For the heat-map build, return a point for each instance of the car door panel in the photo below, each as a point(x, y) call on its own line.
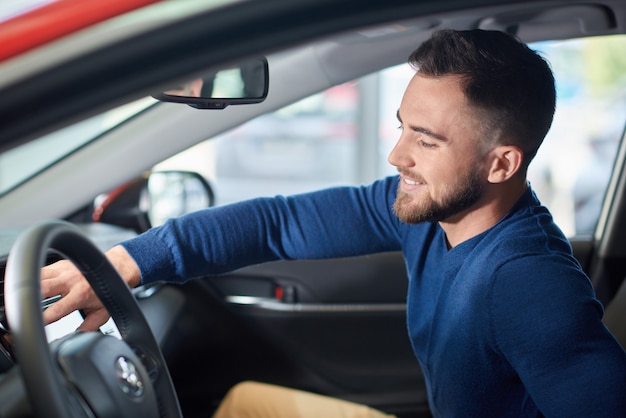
point(343, 319)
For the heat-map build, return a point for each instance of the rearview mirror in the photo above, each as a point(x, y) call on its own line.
point(246, 82)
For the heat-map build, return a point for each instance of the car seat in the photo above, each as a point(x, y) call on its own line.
point(615, 315)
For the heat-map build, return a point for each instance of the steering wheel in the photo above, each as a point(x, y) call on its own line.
point(83, 374)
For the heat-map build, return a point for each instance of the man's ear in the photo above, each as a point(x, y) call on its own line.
point(506, 161)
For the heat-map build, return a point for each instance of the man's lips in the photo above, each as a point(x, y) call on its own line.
point(409, 184)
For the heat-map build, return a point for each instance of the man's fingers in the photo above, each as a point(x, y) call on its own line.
point(58, 278)
point(57, 311)
point(52, 288)
point(64, 279)
point(94, 320)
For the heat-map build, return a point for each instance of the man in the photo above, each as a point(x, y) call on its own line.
point(501, 317)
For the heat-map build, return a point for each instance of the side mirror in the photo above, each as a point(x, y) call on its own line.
point(153, 199)
point(245, 82)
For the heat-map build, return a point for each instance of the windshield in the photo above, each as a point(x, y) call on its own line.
point(21, 163)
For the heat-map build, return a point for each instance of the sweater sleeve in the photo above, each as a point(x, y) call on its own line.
point(547, 324)
point(337, 222)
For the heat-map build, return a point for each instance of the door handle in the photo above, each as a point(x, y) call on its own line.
point(272, 304)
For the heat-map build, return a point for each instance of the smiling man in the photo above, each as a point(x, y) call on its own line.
point(501, 317)
point(439, 127)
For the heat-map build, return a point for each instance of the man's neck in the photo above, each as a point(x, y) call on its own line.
point(498, 200)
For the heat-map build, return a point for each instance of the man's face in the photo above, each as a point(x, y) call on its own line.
point(442, 174)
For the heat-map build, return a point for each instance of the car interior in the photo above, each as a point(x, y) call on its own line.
point(335, 327)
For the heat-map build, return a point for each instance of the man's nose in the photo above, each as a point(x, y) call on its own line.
point(399, 155)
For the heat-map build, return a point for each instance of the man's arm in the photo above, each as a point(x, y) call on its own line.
point(337, 222)
point(547, 323)
point(331, 223)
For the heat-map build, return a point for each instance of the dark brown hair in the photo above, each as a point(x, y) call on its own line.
point(510, 85)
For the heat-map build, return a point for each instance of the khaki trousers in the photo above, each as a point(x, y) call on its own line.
point(261, 400)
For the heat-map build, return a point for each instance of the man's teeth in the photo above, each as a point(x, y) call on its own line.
point(411, 182)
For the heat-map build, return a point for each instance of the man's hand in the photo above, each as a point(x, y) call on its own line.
point(63, 278)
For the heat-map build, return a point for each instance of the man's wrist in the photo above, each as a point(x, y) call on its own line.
point(125, 265)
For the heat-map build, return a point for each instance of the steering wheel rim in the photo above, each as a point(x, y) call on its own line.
point(44, 382)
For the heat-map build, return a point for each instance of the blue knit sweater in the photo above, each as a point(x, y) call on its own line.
point(503, 325)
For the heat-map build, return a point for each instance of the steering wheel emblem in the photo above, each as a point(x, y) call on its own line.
point(128, 377)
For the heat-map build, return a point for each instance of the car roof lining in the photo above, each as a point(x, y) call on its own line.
point(395, 40)
point(561, 21)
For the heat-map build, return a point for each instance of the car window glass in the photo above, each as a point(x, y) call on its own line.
point(313, 143)
point(571, 172)
point(302, 147)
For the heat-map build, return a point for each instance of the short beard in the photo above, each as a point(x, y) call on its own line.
point(464, 195)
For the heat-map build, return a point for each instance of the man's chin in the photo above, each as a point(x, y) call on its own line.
point(408, 211)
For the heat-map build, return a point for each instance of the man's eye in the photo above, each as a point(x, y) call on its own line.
point(427, 144)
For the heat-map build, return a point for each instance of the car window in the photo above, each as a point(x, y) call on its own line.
point(313, 143)
point(306, 146)
point(571, 172)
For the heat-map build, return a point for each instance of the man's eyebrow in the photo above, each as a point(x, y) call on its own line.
point(424, 131)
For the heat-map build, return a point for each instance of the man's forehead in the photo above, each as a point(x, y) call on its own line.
point(425, 94)
point(437, 104)
point(453, 82)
